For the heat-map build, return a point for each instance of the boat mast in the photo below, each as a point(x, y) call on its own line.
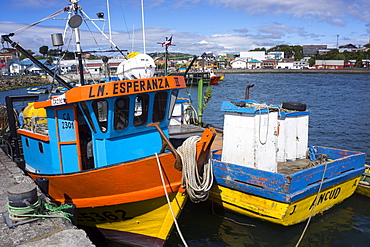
point(142, 20)
point(109, 26)
point(74, 22)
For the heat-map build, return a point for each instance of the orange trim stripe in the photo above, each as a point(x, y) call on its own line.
point(69, 142)
point(119, 88)
point(34, 135)
point(123, 183)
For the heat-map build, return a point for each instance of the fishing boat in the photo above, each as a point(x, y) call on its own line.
point(267, 170)
point(222, 77)
point(215, 78)
point(38, 90)
point(364, 184)
point(105, 149)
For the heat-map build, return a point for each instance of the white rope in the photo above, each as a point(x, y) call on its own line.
point(168, 200)
point(197, 186)
point(259, 108)
point(314, 205)
point(190, 113)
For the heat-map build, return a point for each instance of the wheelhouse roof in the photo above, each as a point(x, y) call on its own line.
point(114, 89)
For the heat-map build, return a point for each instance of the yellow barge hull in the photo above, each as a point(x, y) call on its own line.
point(285, 214)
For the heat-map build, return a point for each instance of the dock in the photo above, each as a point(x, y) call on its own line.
point(43, 232)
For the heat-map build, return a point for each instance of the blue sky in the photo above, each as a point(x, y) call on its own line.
point(197, 26)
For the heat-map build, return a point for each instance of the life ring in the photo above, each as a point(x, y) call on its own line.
point(295, 106)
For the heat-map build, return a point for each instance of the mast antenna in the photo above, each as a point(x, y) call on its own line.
point(109, 26)
point(142, 20)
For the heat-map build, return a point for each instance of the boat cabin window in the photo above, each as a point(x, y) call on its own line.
point(159, 110)
point(101, 113)
point(41, 147)
point(121, 109)
point(87, 114)
point(141, 109)
point(172, 102)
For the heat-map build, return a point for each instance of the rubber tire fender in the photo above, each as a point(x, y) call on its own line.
point(295, 106)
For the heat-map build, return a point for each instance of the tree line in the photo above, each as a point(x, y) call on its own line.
point(296, 52)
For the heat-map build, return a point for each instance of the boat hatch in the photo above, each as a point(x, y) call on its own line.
point(68, 143)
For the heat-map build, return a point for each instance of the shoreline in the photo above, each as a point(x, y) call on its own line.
point(295, 71)
point(29, 81)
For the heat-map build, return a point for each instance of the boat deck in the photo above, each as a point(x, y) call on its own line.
point(184, 131)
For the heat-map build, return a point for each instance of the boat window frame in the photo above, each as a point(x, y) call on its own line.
point(121, 113)
point(101, 114)
point(160, 106)
point(142, 118)
point(173, 99)
point(86, 112)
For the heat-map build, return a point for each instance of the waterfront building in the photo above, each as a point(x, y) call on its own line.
point(329, 64)
point(312, 50)
point(254, 64)
point(238, 63)
point(250, 55)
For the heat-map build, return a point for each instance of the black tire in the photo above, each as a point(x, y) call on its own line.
point(295, 106)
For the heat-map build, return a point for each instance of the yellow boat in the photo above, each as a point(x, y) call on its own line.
point(364, 184)
point(267, 170)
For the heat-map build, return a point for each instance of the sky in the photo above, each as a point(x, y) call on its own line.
point(197, 26)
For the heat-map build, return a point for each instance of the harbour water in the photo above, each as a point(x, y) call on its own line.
point(340, 118)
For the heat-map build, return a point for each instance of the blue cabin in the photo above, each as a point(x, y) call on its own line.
point(99, 125)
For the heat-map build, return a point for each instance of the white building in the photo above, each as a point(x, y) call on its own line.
point(90, 66)
point(239, 64)
point(285, 65)
point(250, 55)
point(275, 55)
point(254, 64)
point(300, 64)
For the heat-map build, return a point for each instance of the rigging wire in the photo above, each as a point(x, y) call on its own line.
point(124, 18)
point(34, 24)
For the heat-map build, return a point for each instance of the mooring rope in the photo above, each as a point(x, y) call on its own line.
point(314, 205)
point(36, 210)
point(168, 200)
point(197, 186)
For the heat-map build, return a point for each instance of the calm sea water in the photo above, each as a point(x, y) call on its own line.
point(340, 118)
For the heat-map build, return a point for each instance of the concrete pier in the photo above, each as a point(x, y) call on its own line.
point(43, 232)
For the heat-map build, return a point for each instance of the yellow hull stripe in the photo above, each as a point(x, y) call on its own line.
point(278, 212)
point(155, 223)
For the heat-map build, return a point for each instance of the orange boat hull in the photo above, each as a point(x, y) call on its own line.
point(126, 202)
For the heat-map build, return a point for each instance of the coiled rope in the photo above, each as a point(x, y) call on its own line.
point(197, 186)
point(37, 209)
